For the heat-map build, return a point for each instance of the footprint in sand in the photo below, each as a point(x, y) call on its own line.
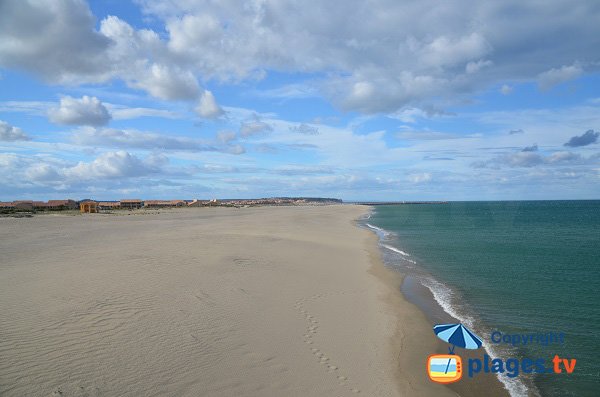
point(311, 331)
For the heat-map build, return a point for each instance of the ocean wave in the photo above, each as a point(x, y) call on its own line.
point(445, 298)
point(382, 233)
point(395, 250)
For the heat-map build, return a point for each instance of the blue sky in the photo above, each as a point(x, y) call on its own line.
point(382, 100)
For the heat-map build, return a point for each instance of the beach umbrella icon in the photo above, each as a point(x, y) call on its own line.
point(457, 335)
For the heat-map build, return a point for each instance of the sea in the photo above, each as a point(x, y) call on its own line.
point(513, 268)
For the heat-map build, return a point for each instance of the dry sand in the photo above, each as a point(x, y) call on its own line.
point(267, 301)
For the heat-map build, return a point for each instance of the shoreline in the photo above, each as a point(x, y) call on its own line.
point(263, 301)
point(419, 295)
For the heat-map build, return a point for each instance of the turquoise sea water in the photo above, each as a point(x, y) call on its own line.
point(515, 267)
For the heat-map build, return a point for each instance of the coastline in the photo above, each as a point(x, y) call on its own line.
point(421, 297)
point(262, 301)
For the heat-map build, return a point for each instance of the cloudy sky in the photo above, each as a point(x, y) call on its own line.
point(360, 100)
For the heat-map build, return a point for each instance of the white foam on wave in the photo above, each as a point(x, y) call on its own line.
point(444, 296)
point(380, 232)
point(404, 255)
point(395, 250)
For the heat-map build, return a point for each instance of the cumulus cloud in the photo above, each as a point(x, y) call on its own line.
point(444, 50)
point(208, 107)
point(9, 133)
point(412, 114)
point(107, 166)
point(54, 39)
point(377, 58)
point(255, 127)
point(84, 111)
point(42, 173)
point(555, 76)
point(141, 59)
point(119, 164)
point(166, 82)
point(474, 67)
point(589, 137)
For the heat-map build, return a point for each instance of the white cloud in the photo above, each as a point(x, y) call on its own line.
point(420, 177)
point(208, 107)
point(9, 133)
point(125, 113)
point(443, 51)
point(251, 128)
point(84, 111)
point(167, 82)
point(187, 32)
point(474, 67)
point(289, 91)
point(42, 173)
point(55, 39)
point(141, 59)
point(375, 58)
point(119, 164)
point(133, 139)
point(36, 108)
point(44, 170)
point(533, 159)
point(555, 76)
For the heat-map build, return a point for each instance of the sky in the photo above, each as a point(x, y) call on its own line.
point(358, 100)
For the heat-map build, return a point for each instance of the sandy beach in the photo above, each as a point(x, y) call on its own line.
point(272, 301)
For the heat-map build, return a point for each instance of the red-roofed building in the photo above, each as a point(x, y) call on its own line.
point(56, 205)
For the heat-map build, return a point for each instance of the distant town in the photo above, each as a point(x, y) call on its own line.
point(96, 206)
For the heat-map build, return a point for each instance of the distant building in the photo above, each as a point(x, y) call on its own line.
point(39, 205)
point(131, 204)
point(89, 207)
point(26, 205)
point(58, 205)
point(109, 205)
point(157, 203)
point(164, 203)
point(6, 206)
